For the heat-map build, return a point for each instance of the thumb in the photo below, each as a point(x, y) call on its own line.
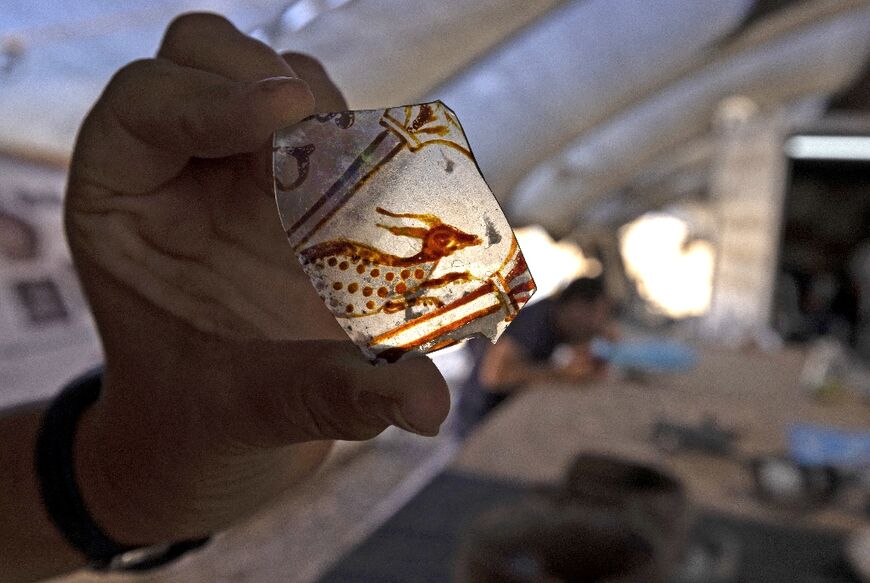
point(300, 391)
point(154, 116)
point(410, 394)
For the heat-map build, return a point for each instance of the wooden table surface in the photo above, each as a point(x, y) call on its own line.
point(534, 436)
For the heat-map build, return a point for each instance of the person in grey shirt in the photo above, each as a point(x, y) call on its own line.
point(522, 359)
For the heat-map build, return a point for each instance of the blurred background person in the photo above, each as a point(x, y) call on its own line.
point(548, 343)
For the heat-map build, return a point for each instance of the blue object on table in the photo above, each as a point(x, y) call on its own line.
point(657, 355)
point(819, 445)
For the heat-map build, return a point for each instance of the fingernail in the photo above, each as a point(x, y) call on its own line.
point(389, 411)
point(292, 96)
point(275, 83)
point(400, 421)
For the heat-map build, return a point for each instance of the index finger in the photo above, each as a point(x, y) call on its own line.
point(210, 42)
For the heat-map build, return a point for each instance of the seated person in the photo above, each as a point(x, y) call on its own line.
point(523, 357)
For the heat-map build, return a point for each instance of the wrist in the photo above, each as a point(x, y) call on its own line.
point(146, 486)
point(101, 482)
point(140, 488)
point(59, 482)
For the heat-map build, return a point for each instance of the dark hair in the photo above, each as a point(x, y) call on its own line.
point(583, 289)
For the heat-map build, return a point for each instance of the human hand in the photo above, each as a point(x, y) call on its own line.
point(577, 365)
point(225, 374)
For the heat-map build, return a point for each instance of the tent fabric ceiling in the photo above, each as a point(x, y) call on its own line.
point(580, 65)
point(394, 51)
point(681, 174)
point(566, 103)
point(817, 59)
point(71, 49)
point(381, 52)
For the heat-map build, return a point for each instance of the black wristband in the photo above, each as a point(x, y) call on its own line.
point(58, 486)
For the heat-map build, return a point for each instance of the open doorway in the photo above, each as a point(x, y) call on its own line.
point(825, 249)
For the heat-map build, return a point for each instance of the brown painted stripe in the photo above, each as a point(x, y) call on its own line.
point(452, 326)
point(518, 268)
point(509, 256)
point(471, 296)
point(444, 344)
point(502, 280)
point(338, 184)
point(505, 285)
point(387, 157)
point(526, 286)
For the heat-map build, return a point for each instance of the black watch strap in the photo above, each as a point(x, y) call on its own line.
point(60, 493)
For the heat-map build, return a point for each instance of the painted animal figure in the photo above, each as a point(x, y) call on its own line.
point(356, 279)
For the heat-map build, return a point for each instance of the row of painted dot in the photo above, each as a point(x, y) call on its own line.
point(349, 307)
point(367, 291)
point(404, 274)
point(369, 304)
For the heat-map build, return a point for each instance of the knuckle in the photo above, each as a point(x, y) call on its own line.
point(194, 126)
point(321, 412)
point(134, 72)
point(300, 62)
point(190, 25)
point(366, 432)
point(132, 82)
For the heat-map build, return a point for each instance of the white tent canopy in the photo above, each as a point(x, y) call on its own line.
point(568, 105)
point(816, 59)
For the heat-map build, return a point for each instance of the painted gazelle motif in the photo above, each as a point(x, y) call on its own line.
point(356, 279)
point(398, 281)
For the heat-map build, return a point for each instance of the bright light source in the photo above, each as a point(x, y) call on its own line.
point(553, 264)
point(828, 147)
point(675, 277)
point(300, 13)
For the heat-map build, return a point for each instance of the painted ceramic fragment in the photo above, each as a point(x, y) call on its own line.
point(389, 216)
